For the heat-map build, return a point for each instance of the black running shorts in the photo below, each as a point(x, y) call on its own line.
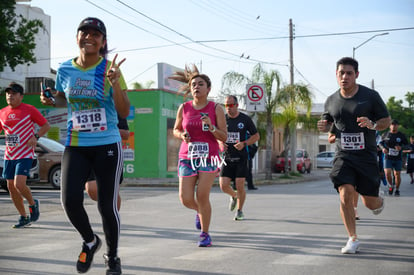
point(237, 169)
point(361, 172)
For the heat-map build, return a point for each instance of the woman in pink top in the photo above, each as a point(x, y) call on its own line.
point(199, 123)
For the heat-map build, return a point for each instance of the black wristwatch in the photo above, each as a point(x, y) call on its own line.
point(36, 136)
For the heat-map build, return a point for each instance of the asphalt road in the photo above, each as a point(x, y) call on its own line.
point(289, 229)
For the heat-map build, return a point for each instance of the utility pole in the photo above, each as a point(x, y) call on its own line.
point(291, 52)
point(292, 86)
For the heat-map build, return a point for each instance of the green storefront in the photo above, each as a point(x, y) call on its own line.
point(155, 148)
point(152, 150)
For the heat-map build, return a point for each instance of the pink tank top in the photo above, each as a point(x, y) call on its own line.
point(202, 141)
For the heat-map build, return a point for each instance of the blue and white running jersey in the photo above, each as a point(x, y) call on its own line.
point(92, 118)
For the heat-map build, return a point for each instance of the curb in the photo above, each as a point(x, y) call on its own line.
point(259, 179)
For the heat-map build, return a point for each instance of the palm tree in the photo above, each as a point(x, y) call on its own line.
point(232, 80)
point(409, 97)
point(290, 100)
point(139, 86)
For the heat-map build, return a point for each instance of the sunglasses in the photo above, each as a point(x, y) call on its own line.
point(230, 105)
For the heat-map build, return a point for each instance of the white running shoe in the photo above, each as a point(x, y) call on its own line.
point(351, 247)
point(379, 210)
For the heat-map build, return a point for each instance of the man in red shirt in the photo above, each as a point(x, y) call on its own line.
point(17, 121)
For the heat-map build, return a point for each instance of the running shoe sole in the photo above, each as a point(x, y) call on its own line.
point(22, 224)
point(351, 247)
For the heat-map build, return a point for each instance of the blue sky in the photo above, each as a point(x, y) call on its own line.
point(148, 32)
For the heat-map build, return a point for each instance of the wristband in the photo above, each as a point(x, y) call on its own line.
point(214, 129)
point(374, 125)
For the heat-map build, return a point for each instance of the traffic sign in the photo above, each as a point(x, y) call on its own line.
point(255, 98)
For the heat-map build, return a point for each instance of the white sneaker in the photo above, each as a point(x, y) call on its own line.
point(379, 210)
point(351, 247)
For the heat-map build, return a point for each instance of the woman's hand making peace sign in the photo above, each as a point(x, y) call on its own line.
point(114, 73)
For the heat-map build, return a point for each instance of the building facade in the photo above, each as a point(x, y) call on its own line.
point(41, 69)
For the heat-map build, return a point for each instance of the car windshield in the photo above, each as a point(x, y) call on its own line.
point(51, 145)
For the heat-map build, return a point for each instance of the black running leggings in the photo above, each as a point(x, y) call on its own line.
point(107, 162)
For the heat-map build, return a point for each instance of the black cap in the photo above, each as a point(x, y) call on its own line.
point(94, 23)
point(395, 122)
point(15, 88)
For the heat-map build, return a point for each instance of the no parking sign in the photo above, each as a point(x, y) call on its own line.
point(255, 98)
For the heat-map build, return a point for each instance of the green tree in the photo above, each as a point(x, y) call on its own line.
point(272, 81)
point(291, 100)
point(17, 37)
point(404, 115)
point(409, 97)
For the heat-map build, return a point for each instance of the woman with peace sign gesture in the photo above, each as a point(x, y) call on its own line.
point(94, 90)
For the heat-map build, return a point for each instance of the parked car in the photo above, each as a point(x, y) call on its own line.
point(49, 153)
point(325, 159)
point(303, 162)
point(47, 162)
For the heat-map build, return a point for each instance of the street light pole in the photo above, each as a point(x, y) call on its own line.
point(372, 37)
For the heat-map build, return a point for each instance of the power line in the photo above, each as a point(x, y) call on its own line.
point(159, 36)
point(230, 14)
point(355, 32)
point(239, 14)
point(173, 43)
point(203, 42)
point(149, 68)
point(304, 78)
point(126, 21)
point(251, 60)
point(305, 36)
point(189, 38)
point(155, 21)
